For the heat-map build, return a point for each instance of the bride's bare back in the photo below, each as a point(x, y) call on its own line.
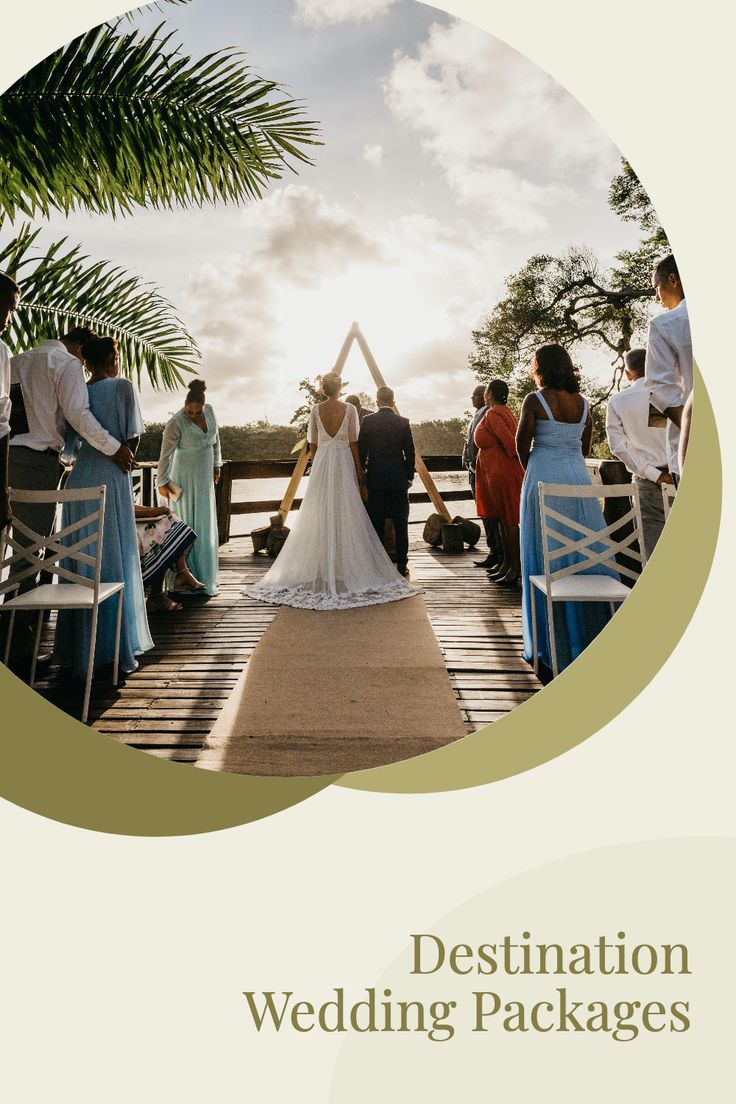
point(331, 413)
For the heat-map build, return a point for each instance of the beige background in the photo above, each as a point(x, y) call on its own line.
point(124, 958)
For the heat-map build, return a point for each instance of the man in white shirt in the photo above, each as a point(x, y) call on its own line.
point(9, 298)
point(669, 360)
point(641, 447)
point(50, 379)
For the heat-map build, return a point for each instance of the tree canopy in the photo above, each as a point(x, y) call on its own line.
point(574, 300)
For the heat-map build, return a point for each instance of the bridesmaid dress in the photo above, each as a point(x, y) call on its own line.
point(557, 457)
point(115, 406)
point(188, 458)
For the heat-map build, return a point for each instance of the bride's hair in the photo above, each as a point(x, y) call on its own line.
point(331, 384)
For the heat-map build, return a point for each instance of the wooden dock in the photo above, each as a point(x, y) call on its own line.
point(168, 707)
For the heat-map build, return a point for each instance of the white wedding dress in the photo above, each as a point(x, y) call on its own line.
point(332, 558)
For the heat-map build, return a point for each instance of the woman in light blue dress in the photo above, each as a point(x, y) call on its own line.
point(191, 460)
point(114, 404)
point(553, 439)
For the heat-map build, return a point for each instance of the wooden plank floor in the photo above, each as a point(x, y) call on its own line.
point(478, 627)
point(169, 705)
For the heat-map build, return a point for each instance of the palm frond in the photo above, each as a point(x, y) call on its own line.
point(157, 5)
point(154, 5)
point(115, 120)
point(63, 288)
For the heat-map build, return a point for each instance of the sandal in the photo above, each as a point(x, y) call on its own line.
point(163, 604)
point(185, 583)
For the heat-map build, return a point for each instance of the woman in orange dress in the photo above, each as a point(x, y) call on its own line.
point(498, 478)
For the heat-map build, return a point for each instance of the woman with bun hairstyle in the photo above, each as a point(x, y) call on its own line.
point(191, 460)
point(554, 437)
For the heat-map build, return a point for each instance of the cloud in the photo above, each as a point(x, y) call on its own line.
point(317, 13)
point(243, 305)
point(373, 154)
point(299, 236)
point(302, 269)
point(508, 138)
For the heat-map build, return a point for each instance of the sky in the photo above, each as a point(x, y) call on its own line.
point(448, 160)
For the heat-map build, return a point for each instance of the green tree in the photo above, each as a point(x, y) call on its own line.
point(114, 121)
point(572, 299)
point(631, 203)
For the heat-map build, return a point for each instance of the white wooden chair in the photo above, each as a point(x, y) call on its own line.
point(76, 591)
point(669, 490)
point(569, 584)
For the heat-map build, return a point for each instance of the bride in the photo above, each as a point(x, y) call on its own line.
point(332, 558)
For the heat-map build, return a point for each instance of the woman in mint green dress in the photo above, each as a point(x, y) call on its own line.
point(191, 459)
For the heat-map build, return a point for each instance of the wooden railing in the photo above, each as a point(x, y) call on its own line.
point(235, 471)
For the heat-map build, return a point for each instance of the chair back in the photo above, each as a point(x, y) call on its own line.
point(565, 536)
point(669, 490)
point(44, 553)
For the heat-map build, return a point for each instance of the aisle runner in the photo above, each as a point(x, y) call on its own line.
point(327, 693)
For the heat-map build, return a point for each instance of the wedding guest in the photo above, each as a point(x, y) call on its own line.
point(669, 359)
point(354, 400)
point(9, 298)
point(552, 441)
point(51, 384)
point(470, 452)
point(499, 476)
point(470, 449)
point(164, 542)
point(640, 446)
point(114, 405)
point(191, 461)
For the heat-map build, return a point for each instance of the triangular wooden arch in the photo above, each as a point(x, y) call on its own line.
point(356, 334)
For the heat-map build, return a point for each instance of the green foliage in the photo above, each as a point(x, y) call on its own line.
point(573, 300)
point(154, 5)
point(440, 437)
point(627, 198)
point(261, 441)
point(62, 288)
point(116, 119)
point(568, 300)
point(253, 441)
point(632, 204)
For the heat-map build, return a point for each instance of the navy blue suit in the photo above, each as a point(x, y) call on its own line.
point(387, 451)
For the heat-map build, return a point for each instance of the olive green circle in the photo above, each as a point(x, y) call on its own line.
point(614, 669)
point(55, 766)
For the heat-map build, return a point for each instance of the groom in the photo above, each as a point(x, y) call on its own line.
point(387, 452)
